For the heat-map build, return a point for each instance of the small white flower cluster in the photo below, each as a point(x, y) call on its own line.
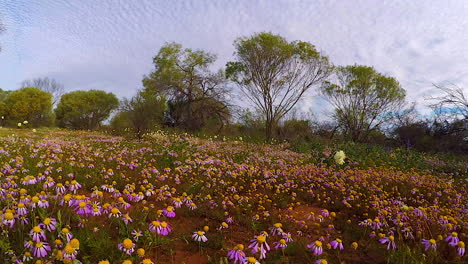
point(339, 157)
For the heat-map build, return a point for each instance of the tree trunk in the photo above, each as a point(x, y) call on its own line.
point(268, 130)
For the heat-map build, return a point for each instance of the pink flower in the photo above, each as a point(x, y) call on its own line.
point(127, 246)
point(49, 224)
point(280, 244)
point(452, 239)
point(337, 243)
point(164, 229)
point(41, 249)
point(169, 212)
point(316, 247)
point(237, 254)
point(429, 243)
point(37, 234)
point(390, 241)
point(461, 248)
point(259, 243)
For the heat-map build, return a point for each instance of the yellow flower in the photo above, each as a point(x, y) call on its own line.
point(8, 216)
point(127, 243)
point(147, 261)
point(141, 252)
point(261, 239)
point(69, 249)
point(75, 243)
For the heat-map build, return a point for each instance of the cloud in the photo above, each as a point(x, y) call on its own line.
point(109, 44)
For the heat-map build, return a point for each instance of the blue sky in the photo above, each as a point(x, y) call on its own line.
point(109, 44)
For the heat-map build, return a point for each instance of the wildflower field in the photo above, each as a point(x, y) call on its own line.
point(81, 197)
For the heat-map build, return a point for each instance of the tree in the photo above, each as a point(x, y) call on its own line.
point(47, 85)
point(29, 104)
point(142, 112)
point(85, 109)
point(453, 103)
point(194, 93)
point(274, 74)
point(363, 99)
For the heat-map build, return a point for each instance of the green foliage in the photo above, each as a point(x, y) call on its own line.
point(29, 104)
point(85, 109)
point(195, 95)
point(363, 99)
point(140, 114)
point(274, 74)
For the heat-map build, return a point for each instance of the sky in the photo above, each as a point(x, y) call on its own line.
point(109, 44)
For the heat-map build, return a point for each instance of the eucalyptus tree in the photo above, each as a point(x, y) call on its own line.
point(363, 99)
point(195, 94)
point(275, 74)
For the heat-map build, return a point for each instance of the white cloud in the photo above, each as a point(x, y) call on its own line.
point(110, 44)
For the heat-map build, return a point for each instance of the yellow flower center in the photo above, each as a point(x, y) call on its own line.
point(37, 229)
point(170, 208)
point(432, 241)
point(82, 204)
point(163, 224)
point(75, 243)
point(461, 244)
point(141, 252)
point(454, 234)
point(47, 221)
point(318, 243)
point(8, 216)
point(69, 249)
point(200, 233)
point(146, 261)
point(278, 225)
point(391, 238)
point(114, 210)
point(127, 243)
point(339, 240)
point(282, 241)
point(251, 260)
point(239, 247)
point(156, 223)
point(65, 230)
point(261, 239)
point(39, 244)
point(21, 205)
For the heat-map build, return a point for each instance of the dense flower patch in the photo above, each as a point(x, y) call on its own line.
point(76, 197)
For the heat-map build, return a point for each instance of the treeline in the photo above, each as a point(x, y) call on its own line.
point(273, 75)
point(33, 107)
